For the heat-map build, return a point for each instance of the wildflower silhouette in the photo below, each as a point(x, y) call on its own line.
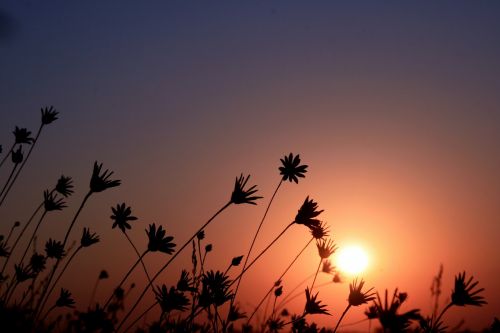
point(65, 299)
point(185, 282)
point(121, 215)
point(171, 300)
point(49, 115)
point(388, 312)
point(103, 275)
point(37, 262)
point(314, 306)
point(158, 241)
point(21, 136)
point(17, 158)
point(240, 195)
point(64, 186)
point(326, 247)
point(54, 249)
point(356, 298)
point(320, 231)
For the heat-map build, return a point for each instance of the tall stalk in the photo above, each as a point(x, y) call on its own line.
point(316, 275)
point(168, 263)
point(32, 236)
point(140, 257)
point(342, 317)
point(7, 154)
point(7, 182)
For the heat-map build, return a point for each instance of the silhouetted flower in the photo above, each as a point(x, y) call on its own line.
point(119, 293)
point(208, 247)
point(64, 186)
point(37, 263)
point(95, 320)
point(278, 291)
point(23, 273)
point(185, 282)
point(337, 278)
point(17, 155)
point(387, 313)
point(88, 238)
point(65, 299)
point(103, 275)
point(356, 296)
point(326, 247)
point(235, 314)
point(200, 235)
point(307, 213)
point(121, 215)
point(54, 249)
point(170, 300)
point(158, 241)
point(22, 135)
point(313, 306)
point(284, 313)
point(100, 182)
point(320, 231)
point(236, 261)
point(327, 268)
point(215, 289)
point(428, 325)
point(50, 202)
point(371, 312)
point(291, 168)
point(275, 324)
point(4, 250)
point(240, 195)
point(49, 115)
point(463, 294)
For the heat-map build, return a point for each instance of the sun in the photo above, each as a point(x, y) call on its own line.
point(352, 259)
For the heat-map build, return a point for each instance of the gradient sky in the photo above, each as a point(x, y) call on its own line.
point(393, 105)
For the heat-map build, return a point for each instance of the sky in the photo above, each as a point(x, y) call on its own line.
point(393, 105)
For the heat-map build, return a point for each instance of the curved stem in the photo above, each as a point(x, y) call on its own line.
point(8, 181)
point(281, 277)
point(59, 276)
point(316, 275)
point(92, 296)
point(87, 196)
point(254, 239)
point(139, 317)
point(23, 163)
point(20, 235)
point(168, 263)
point(442, 313)
point(341, 317)
point(7, 154)
point(10, 233)
point(125, 278)
point(139, 256)
point(32, 236)
point(261, 253)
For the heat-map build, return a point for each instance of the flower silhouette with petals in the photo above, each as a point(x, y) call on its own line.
point(17, 155)
point(88, 238)
point(356, 296)
point(185, 282)
point(51, 203)
point(37, 263)
point(4, 249)
point(215, 289)
point(320, 231)
point(23, 273)
point(326, 247)
point(65, 186)
point(170, 300)
point(327, 267)
point(388, 314)
point(314, 306)
point(22, 135)
point(100, 181)
point(54, 249)
point(103, 275)
point(235, 314)
point(241, 195)
point(307, 213)
point(463, 294)
point(236, 261)
point(158, 241)
point(121, 215)
point(65, 299)
point(49, 115)
point(275, 325)
point(291, 168)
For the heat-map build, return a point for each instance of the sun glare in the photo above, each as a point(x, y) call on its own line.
point(352, 259)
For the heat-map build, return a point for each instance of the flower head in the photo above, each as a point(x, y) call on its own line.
point(171, 299)
point(103, 275)
point(185, 282)
point(215, 289)
point(326, 247)
point(121, 215)
point(235, 314)
point(88, 238)
point(65, 299)
point(275, 324)
point(307, 213)
point(208, 248)
point(240, 195)
point(236, 261)
point(51, 203)
point(200, 235)
point(100, 182)
point(278, 291)
point(54, 249)
point(64, 186)
point(49, 115)
point(158, 241)
point(23, 273)
point(22, 135)
point(4, 249)
point(313, 306)
point(291, 168)
point(327, 267)
point(37, 263)
point(320, 231)
point(17, 155)
point(463, 294)
point(356, 296)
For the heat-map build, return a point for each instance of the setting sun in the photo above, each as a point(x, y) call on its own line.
point(352, 259)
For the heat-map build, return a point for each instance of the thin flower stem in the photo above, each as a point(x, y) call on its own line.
point(281, 277)
point(10, 233)
point(8, 180)
point(168, 263)
point(254, 239)
point(442, 313)
point(316, 275)
point(261, 253)
point(59, 277)
point(139, 317)
point(92, 296)
point(201, 260)
point(23, 163)
point(139, 256)
point(11, 291)
point(125, 278)
point(32, 236)
point(290, 293)
point(341, 317)
point(87, 196)
point(21, 234)
point(274, 307)
point(291, 296)
point(49, 310)
point(7, 154)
